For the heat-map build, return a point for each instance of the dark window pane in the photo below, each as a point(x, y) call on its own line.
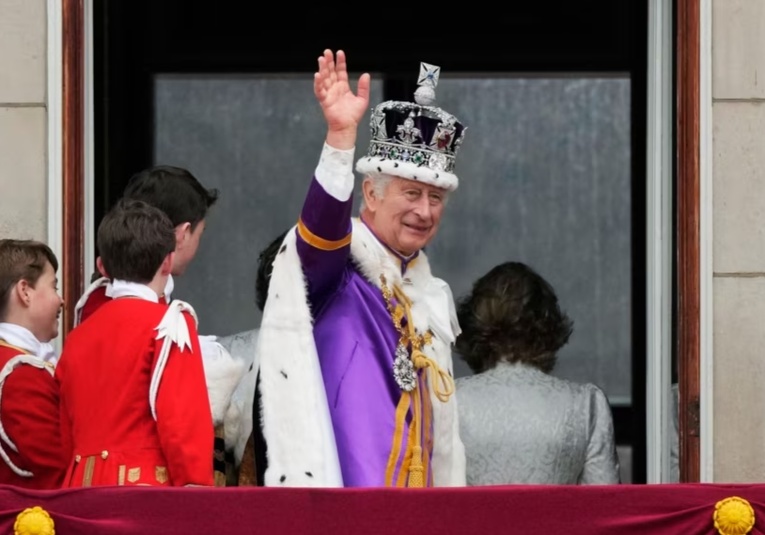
point(258, 140)
point(545, 179)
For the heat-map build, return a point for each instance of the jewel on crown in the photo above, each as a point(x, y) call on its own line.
point(427, 82)
point(415, 139)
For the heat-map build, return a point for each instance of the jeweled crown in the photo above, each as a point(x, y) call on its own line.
point(415, 140)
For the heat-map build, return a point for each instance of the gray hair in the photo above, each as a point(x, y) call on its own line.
point(380, 183)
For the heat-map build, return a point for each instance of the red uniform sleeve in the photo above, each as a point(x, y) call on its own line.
point(184, 420)
point(30, 415)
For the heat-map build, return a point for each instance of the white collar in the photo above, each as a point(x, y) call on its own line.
point(119, 288)
point(21, 337)
point(169, 286)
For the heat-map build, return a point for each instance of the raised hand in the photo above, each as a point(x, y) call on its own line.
point(342, 109)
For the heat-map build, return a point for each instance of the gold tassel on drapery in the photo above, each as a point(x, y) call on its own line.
point(443, 389)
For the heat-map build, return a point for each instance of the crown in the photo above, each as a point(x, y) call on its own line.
point(415, 140)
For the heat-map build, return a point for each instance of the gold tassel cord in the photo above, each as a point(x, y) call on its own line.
point(441, 380)
point(444, 384)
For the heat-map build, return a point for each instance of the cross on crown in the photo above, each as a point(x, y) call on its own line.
point(429, 75)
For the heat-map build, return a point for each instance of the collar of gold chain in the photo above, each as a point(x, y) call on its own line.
point(410, 338)
point(441, 380)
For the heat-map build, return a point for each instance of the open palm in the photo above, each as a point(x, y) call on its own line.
point(342, 109)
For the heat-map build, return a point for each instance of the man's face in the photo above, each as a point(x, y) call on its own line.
point(186, 245)
point(407, 216)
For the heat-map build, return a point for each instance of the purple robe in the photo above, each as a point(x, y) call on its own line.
point(356, 342)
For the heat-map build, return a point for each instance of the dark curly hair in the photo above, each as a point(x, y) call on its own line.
point(511, 315)
point(265, 267)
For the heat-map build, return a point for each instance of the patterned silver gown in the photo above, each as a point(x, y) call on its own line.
point(523, 426)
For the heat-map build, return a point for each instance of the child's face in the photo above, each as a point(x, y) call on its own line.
point(45, 305)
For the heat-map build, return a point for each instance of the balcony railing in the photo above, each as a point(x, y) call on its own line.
point(698, 509)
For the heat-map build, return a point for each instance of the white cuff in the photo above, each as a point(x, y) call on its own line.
point(335, 172)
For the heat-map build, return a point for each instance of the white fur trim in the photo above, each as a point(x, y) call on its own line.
point(296, 422)
point(222, 375)
point(173, 330)
point(11, 365)
point(373, 165)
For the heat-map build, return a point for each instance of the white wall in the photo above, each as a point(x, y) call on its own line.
point(23, 119)
point(738, 153)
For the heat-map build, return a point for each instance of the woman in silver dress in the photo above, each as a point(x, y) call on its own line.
point(519, 424)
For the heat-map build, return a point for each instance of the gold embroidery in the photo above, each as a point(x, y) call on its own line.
point(320, 243)
point(121, 476)
point(219, 479)
point(134, 474)
point(160, 474)
point(6, 344)
point(407, 337)
point(247, 469)
point(413, 343)
point(90, 464)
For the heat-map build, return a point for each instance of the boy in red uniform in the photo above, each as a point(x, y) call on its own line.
point(178, 194)
point(133, 392)
point(32, 452)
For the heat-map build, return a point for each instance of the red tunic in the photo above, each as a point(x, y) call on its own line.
point(94, 298)
point(29, 414)
point(105, 374)
point(94, 301)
